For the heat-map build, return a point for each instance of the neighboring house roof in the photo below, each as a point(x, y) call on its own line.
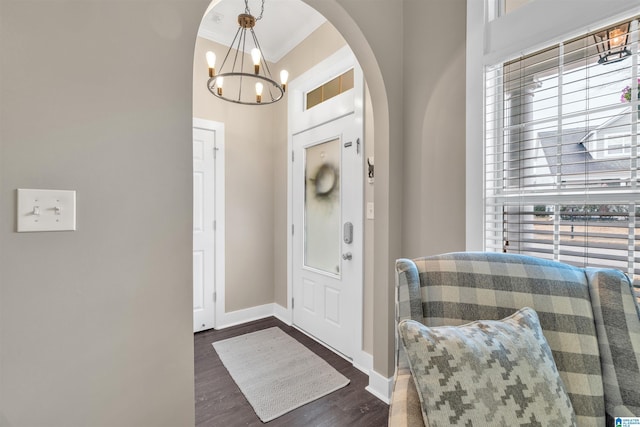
point(576, 159)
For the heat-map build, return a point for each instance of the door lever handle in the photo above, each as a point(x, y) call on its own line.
point(347, 256)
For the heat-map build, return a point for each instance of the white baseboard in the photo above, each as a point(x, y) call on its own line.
point(281, 313)
point(246, 315)
point(363, 361)
point(380, 386)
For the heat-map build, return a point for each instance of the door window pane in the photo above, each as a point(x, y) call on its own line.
point(322, 207)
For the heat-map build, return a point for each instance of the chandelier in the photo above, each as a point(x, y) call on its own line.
point(254, 84)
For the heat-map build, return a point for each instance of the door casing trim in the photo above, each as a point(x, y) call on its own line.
point(219, 258)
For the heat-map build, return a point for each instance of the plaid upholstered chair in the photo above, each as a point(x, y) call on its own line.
point(589, 317)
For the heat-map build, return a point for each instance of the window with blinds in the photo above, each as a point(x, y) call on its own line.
point(561, 153)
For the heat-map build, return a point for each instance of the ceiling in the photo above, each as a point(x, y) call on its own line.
point(284, 24)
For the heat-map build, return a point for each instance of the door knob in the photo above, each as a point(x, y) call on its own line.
point(347, 256)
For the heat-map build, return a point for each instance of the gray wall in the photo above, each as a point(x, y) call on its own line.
point(434, 118)
point(96, 324)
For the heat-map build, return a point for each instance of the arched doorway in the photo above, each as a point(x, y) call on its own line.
point(250, 303)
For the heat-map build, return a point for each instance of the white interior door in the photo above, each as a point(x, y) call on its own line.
point(203, 228)
point(327, 237)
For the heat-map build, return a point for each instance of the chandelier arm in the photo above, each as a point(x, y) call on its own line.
point(262, 58)
point(244, 41)
point(280, 94)
point(242, 32)
point(275, 85)
point(229, 51)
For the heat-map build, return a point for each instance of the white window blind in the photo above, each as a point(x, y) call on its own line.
point(562, 155)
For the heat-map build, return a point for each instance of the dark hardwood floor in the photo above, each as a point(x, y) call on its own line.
point(219, 402)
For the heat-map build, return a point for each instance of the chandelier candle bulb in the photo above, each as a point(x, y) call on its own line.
point(255, 55)
point(259, 88)
point(284, 76)
point(219, 82)
point(211, 62)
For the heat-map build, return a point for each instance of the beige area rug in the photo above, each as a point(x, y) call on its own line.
point(275, 372)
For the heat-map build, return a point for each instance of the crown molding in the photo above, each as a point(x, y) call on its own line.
point(274, 55)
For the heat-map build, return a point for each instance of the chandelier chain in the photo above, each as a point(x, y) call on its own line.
point(248, 11)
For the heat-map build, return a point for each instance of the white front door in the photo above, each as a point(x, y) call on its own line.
point(203, 228)
point(327, 238)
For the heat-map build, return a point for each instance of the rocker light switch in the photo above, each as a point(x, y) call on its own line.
point(46, 210)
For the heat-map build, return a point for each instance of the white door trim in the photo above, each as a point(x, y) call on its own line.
point(331, 67)
point(219, 285)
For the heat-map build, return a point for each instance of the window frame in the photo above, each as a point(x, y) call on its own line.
point(490, 41)
point(504, 202)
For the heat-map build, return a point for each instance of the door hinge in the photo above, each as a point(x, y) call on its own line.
point(292, 303)
point(293, 155)
point(292, 229)
point(215, 152)
point(214, 225)
point(214, 297)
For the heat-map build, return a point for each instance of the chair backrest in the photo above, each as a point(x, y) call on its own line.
point(458, 288)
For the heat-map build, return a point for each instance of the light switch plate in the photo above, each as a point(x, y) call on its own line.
point(46, 210)
point(370, 210)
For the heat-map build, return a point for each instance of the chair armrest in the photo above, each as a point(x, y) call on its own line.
point(405, 409)
point(408, 293)
point(617, 317)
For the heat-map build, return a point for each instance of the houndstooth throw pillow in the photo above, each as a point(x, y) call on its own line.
point(498, 373)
